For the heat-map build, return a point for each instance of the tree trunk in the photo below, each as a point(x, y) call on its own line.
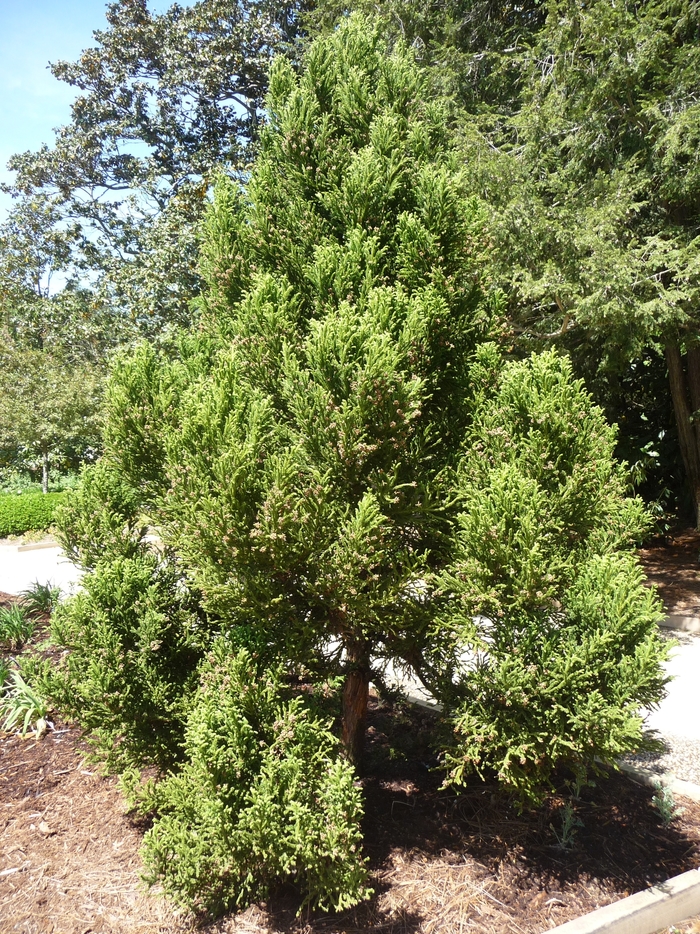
point(355, 697)
point(45, 473)
point(685, 393)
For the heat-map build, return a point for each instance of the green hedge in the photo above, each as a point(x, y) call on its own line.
point(27, 512)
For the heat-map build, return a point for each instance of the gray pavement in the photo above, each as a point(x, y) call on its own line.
point(677, 719)
point(23, 565)
point(679, 713)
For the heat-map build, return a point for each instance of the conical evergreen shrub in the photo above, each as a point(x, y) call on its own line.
point(344, 474)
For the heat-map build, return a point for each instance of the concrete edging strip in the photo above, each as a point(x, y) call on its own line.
point(37, 546)
point(676, 785)
point(647, 912)
point(682, 623)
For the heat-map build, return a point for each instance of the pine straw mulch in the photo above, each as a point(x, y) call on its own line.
point(440, 861)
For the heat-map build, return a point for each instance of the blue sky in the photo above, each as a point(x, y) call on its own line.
point(32, 101)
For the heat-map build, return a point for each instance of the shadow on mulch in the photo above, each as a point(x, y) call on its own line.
point(447, 861)
point(439, 861)
point(672, 564)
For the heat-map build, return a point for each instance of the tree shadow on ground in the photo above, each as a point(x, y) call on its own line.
point(423, 838)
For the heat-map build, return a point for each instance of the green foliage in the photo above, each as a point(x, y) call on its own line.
point(21, 705)
point(134, 638)
point(343, 473)
point(17, 481)
point(579, 126)
point(162, 98)
point(466, 46)
point(592, 178)
point(101, 518)
point(40, 599)
point(665, 803)
point(28, 512)
point(556, 639)
point(299, 473)
point(16, 626)
point(48, 405)
point(570, 823)
point(263, 797)
point(142, 406)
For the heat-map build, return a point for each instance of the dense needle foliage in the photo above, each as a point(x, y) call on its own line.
point(345, 475)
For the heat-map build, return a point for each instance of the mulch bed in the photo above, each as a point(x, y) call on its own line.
point(672, 564)
point(439, 861)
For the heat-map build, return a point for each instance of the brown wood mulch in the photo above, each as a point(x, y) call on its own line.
point(439, 861)
point(672, 564)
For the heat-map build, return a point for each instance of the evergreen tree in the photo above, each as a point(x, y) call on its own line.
point(343, 287)
point(593, 176)
point(345, 475)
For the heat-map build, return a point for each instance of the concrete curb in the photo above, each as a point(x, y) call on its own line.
point(647, 912)
point(683, 623)
point(37, 546)
point(647, 777)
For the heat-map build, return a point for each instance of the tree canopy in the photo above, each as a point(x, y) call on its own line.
point(594, 183)
point(579, 126)
point(163, 99)
point(579, 132)
point(48, 408)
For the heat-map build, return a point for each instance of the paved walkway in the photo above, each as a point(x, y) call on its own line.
point(23, 565)
point(679, 714)
point(676, 721)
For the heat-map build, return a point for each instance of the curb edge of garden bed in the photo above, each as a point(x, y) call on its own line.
point(38, 546)
point(683, 623)
point(647, 912)
point(675, 785)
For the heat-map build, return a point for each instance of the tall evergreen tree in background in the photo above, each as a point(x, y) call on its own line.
point(580, 129)
point(595, 190)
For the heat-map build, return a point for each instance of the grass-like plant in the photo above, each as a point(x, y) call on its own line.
point(21, 706)
point(40, 599)
point(16, 627)
point(4, 671)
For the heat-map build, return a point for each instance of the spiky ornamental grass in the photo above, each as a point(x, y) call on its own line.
point(344, 472)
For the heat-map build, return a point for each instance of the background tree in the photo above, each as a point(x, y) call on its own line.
point(56, 340)
point(594, 183)
point(48, 408)
point(162, 100)
point(580, 133)
point(44, 303)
